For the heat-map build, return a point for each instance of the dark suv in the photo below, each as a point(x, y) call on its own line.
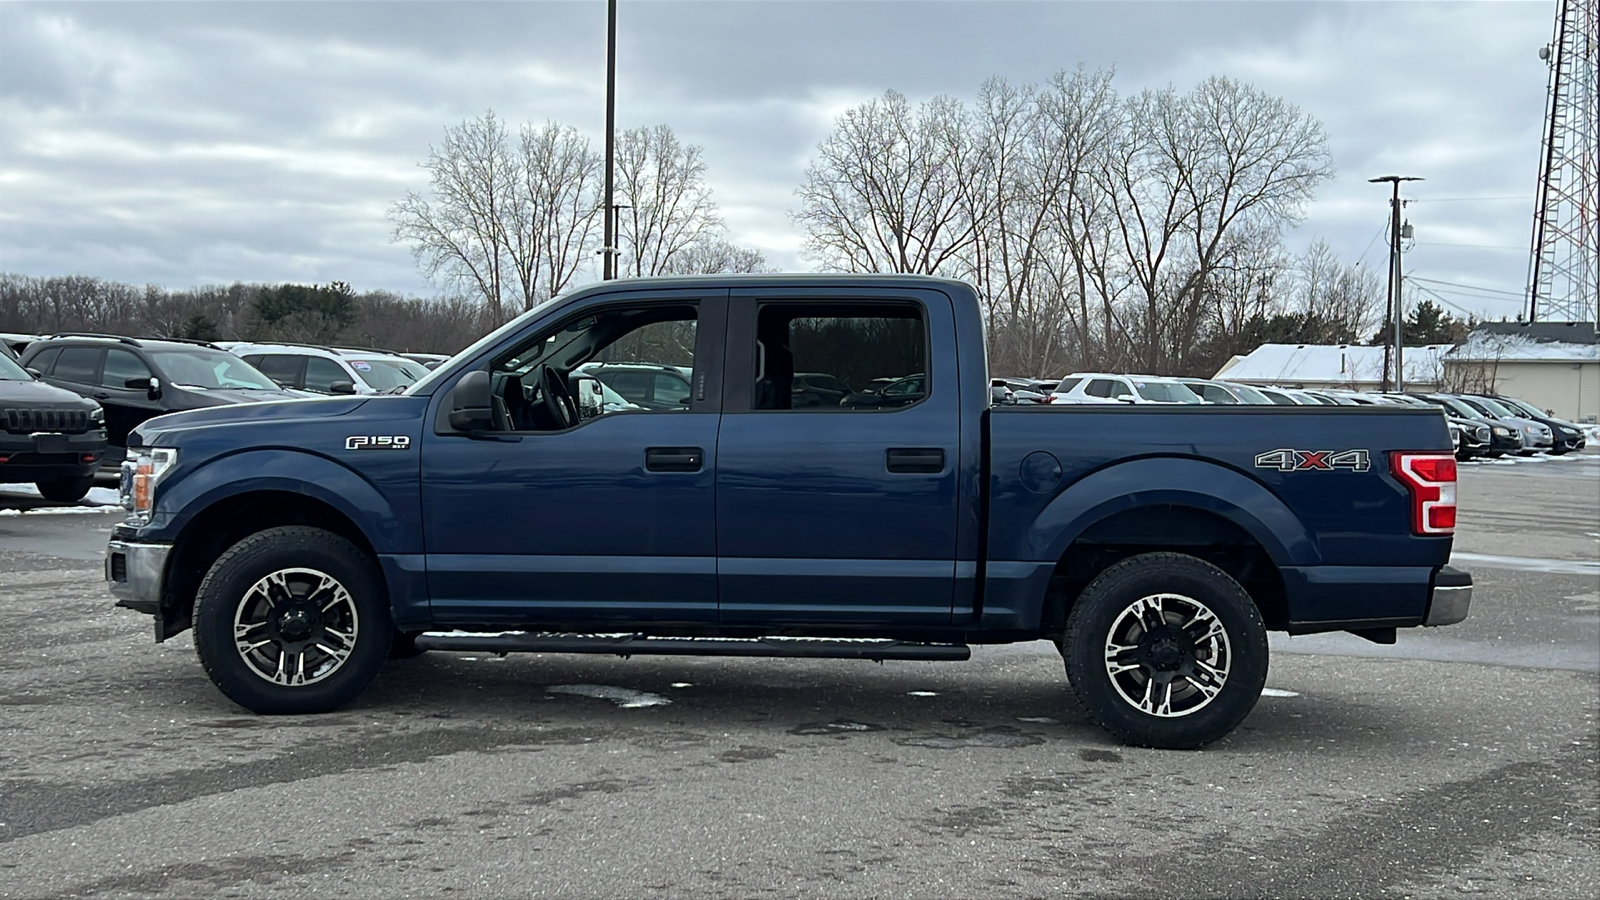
point(48, 436)
point(139, 379)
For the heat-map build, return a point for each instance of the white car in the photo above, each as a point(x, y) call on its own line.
point(331, 370)
point(1096, 387)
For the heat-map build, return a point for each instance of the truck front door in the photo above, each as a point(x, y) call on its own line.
point(842, 512)
point(547, 521)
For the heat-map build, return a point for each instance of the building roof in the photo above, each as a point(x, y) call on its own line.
point(1488, 346)
point(1330, 364)
point(1542, 332)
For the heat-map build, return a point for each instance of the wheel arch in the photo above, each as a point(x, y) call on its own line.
point(226, 521)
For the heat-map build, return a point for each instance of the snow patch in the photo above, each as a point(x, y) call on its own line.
point(1277, 692)
point(623, 697)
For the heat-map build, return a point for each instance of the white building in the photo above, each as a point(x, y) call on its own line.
point(1562, 376)
point(1337, 366)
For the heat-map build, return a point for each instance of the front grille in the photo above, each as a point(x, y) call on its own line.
point(27, 421)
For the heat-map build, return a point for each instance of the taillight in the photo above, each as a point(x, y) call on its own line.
point(1431, 480)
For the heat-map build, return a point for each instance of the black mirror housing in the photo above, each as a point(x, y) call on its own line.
point(470, 408)
point(343, 387)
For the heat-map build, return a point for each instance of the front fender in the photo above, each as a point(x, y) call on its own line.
point(289, 471)
point(1155, 481)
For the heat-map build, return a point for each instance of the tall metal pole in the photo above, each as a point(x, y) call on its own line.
point(608, 249)
point(1396, 313)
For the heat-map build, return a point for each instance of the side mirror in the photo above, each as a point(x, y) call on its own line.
point(137, 384)
point(470, 408)
point(343, 387)
point(35, 372)
point(587, 392)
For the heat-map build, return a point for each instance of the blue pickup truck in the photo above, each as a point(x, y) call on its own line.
point(507, 502)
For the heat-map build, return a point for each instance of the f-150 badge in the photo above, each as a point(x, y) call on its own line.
point(1287, 460)
point(377, 442)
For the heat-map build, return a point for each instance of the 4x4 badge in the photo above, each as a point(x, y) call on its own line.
point(1287, 460)
point(377, 442)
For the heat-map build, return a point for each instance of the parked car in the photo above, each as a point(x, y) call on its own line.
point(1247, 393)
point(644, 384)
point(13, 343)
point(1475, 436)
point(1503, 437)
point(136, 379)
point(429, 361)
point(1284, 397)
point(1536, 436)
point(1028, 391)
point(1156, 548)
point(1567, 436)
point(48, 436)
point(900, 392)
point(1098, 387)
point(327, 370)
point(817, 389)
point(1222, 393)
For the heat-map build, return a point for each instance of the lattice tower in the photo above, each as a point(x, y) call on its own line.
point(1564, 269)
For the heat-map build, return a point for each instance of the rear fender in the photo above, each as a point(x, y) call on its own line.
point(1157, 481)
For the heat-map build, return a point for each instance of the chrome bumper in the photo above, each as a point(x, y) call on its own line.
point(1452, 594)
point(134, 571)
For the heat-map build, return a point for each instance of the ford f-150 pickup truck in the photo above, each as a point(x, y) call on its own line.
point(498, 505)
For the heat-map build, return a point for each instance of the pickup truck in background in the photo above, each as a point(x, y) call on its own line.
point(497, 506)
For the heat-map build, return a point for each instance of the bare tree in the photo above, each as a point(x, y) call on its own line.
point(887, 191)
point(558, 213)
point(666, 205)
point(461, 234)
point(714, 256)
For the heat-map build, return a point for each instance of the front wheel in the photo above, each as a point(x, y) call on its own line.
point(1166, 650)
point(292, 620)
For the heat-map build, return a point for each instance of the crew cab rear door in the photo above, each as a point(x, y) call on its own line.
point(841, 512)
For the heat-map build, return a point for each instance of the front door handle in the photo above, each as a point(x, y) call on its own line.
point(101, 395)
point(674, 459)
point(928, 460)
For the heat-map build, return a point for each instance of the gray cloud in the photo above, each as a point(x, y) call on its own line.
point(185, 143)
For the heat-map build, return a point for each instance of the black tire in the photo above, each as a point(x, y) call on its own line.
point(316, 613)
point(404, 645)
point(1119, 608)
point(65, 490)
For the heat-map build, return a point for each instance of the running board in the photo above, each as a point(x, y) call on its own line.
point(638, 645)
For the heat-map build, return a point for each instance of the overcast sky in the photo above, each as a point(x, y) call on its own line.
point(194, 143)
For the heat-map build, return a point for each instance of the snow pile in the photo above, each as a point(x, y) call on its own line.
point(1483, 347)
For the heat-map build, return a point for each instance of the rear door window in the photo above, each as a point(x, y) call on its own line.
point(280, 367)
point(1099, 387)
point(80, 365)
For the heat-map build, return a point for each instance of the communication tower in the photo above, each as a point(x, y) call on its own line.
point(1564, 269)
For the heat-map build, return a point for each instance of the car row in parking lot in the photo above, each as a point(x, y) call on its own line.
point(69, 400)
point(1481, 425)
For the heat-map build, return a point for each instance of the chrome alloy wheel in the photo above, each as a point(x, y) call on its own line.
point(295, 626)
point(1167, 655)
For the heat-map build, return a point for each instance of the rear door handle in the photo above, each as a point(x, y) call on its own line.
point(916, 459)
point(674, 459)
point(101, 395)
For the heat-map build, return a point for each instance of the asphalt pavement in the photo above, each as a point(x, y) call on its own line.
point(1462, 761)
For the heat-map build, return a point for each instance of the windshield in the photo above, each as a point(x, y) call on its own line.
point(1457, 407)
point(1250, 395)
point(1166, 392)
point(386, 374)
point(1526, 408)
point(11, 371)
point(1499, 409)
point(203, 368)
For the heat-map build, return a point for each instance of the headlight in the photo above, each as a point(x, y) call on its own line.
point(1501, 429)
point(1483, 433)
point(97, 416)
point(139, 477)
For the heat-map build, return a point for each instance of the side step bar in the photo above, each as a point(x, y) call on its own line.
point(639, 645)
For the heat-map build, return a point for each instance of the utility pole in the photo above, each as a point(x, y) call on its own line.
point(1396, 313)
point(608, 248)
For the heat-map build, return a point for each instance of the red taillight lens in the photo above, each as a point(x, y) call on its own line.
point(1430, 478)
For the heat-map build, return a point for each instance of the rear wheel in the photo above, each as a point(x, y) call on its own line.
point(65, 490)
point(292, 620)
point(1165, 650)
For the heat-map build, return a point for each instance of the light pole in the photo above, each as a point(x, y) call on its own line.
point(1395, 313)
point(608, 242)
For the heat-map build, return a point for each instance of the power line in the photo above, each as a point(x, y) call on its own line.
point(1437, 296)
point(1474, 246)
point(1470, 287)
point(1519, 198)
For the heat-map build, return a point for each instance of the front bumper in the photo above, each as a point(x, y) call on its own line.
point(32, 457)
point(134, 572)
point(1452, 594)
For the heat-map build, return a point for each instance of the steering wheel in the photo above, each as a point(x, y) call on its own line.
point(557, 399)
